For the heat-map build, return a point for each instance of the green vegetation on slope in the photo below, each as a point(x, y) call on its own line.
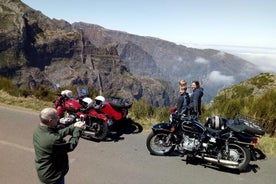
point(255, 98)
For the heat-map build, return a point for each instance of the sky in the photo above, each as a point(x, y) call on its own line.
point(246, 28)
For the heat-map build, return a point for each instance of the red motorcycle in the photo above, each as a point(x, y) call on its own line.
point(71, 110)
point(115, 109)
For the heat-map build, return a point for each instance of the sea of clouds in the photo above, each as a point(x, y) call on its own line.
point(264, 58)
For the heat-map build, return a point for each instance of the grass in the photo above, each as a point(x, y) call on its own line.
point(266, 144)
point(29, 102)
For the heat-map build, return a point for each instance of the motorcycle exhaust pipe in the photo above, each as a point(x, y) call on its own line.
point(221, 162)
point(89, 132)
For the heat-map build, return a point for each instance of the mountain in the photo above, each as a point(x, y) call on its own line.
point(35, 50)
point(165, 60)
point(256, 86)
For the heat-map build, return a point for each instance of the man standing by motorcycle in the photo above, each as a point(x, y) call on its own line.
point(51, 158)
point(195, 103)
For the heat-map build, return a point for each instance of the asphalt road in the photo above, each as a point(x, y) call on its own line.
point(118, 161)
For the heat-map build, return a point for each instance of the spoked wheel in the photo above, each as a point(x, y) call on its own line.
point(159, 143)
point(238, 154)
point(96, 129)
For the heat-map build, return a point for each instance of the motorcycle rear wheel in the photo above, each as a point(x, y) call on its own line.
point(238, 154)
point(96, 129)
point(158, 143)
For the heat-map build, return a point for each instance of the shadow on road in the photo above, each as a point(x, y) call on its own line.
point(196, 161)
point(121, 128)
point(118, 129)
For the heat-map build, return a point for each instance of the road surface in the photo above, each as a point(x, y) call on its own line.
point(118, 161)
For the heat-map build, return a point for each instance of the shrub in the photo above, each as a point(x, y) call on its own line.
point(141, 109)
point(161, 114)
point(8, 86)
point(43, 93)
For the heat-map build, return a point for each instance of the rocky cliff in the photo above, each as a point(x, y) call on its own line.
point(36, 50)
point(168, 61)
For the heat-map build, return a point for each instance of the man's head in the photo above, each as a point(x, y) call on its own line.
point(182, 89)
point(182, 83)
point(48, 116)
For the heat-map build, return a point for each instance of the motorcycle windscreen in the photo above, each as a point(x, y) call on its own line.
point(82, 92)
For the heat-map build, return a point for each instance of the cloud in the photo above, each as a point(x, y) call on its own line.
point(201, 60)
point(217, 77)
point(264, 58)
point(179, 58)
point(220, 54)
point(266, 62)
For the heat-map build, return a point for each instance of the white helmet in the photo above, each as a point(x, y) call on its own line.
point(67, 93)
point(100, 98)
point(87, 102)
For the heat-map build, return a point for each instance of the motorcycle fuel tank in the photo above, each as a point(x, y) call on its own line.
point(72, 105)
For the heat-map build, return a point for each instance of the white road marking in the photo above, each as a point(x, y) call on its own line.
point(17, 146)
point(71, 160)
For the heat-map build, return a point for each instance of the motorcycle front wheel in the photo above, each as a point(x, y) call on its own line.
point(159, 143)
point(96, 129)
point(238, 154)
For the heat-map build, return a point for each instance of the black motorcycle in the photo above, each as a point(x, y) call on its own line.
point(186, 134)
point(252, 131)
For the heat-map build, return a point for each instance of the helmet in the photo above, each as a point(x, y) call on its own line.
point(215, 122)
point(87, 102)
point(100, 100)
point(67, 93)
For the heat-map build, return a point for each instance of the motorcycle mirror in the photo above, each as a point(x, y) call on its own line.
point(57, 85)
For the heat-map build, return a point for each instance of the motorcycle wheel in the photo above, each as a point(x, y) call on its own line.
point(238, 154)
point(96, 130)
point(159, 143)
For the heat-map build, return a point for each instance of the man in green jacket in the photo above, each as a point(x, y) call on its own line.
point(51, 158)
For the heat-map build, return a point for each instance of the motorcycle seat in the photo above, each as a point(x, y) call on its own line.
point(237, 128)
point(119, 103)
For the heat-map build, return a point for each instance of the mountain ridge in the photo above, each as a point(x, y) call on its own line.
point(43, 51)
point(213, 68)
point(40, 46)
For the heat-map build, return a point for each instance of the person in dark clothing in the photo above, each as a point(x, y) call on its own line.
point(183, 101)
point(51, 158)
point(195, 103)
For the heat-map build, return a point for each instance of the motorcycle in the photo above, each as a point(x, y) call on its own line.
point(114, 108)
point(190, 137)
point(251, 130)
point(71, 110)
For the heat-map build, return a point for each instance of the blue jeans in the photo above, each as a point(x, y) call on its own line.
point(61, 181)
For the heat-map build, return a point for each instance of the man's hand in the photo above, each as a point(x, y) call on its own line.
point(80, 124)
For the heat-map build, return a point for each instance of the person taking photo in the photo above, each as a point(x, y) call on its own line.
point(51, 158)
